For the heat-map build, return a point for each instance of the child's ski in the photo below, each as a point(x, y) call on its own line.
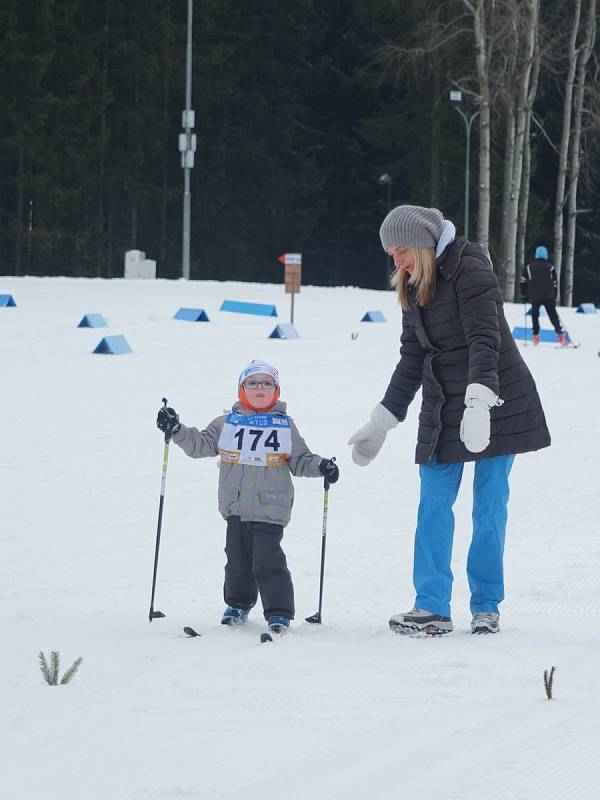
point(274, 632)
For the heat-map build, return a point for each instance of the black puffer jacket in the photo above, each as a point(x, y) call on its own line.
point(462, 337)
point(538, 281)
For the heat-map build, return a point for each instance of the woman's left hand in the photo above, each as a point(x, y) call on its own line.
point(475, 424)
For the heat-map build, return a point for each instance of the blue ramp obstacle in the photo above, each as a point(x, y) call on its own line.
point(192, 315)
point(542, 311)
point(113, 345)
point(285, 330)
point(248, 308)
point(586, 308)
point(373, 316)
point(545, 336)
point(93, 321)
point(7, 301)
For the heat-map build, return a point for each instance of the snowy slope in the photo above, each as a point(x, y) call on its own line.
point(342, 710)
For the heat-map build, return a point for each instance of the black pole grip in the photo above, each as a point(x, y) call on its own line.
point(326, 483)
point(168, 434)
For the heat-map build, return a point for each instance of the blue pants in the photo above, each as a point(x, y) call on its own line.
point(432, 575)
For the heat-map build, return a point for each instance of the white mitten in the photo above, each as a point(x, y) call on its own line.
point(369, 440)
point(475, 424)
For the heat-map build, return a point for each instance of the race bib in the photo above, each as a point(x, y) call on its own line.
point(262, 440)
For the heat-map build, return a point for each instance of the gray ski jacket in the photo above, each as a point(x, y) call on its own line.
point(255, 494)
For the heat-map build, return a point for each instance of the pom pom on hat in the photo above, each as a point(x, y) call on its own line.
point(411, 226)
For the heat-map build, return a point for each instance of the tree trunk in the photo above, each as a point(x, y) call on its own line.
point(436, 139)
point(526, 176)
point(509, 157)
point(528, 29)
point(524, 198)
point(575, 166)
point(19, 210)
point(563, 156)
point(103, 264)
point(482, 60)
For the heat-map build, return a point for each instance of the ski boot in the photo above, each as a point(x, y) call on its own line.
point(485, 622)
point(278, 625)
point(419, 621)
point(536, 339)
point(235, 616)
point(562, 339)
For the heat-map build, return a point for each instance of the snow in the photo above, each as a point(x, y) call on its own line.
point(341, 710)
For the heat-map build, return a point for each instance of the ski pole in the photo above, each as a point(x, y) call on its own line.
point(157, 614)
point(525, 344)
point(317, 618)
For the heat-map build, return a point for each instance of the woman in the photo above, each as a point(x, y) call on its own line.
point(480, 404)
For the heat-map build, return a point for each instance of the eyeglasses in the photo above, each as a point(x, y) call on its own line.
point(252, 384)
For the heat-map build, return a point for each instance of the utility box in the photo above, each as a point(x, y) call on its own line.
point(138, 266)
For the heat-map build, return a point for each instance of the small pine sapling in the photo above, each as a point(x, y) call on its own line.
point(50, 672)
point(66, 678)
point(548, 682)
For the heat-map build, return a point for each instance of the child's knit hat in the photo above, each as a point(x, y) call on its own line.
point(258, 367)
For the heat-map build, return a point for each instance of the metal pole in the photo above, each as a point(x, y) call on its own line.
point(152, 613)
point(187, 199)
point(317, 618)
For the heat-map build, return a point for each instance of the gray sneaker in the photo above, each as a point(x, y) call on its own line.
point(419, 621)
point(485, 622)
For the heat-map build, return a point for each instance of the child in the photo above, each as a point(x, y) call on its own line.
point(259, 446)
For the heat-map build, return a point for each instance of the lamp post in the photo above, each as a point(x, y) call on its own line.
point(187, 147)
point(387, 180)
point(456, 97)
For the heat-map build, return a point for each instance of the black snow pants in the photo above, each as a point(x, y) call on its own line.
point(551, 309)
point(256, 563)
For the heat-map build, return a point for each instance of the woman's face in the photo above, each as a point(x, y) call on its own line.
point(259, 394)
point(404, 258)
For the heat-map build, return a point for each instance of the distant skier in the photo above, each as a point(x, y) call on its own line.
point(539, 286)
point(259, 446)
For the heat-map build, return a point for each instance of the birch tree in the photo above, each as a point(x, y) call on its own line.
point(481, 11)
point(563, 152)
point(526, 176)
point(575, 156)
point(526, 25)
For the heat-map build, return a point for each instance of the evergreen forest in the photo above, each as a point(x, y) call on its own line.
point(312, 119)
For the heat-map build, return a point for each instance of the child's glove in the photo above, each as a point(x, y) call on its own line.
point(329, 470)
point(167, 420)
point(475, 424)
point(369, 440)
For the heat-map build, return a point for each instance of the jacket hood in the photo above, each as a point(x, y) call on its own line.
point(447, 236)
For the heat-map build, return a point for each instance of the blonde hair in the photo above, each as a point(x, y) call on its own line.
point(423, 278)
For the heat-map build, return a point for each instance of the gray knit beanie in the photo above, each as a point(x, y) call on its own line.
point(411, 226)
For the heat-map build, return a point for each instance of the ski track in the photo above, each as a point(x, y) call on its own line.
point(345, 709)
